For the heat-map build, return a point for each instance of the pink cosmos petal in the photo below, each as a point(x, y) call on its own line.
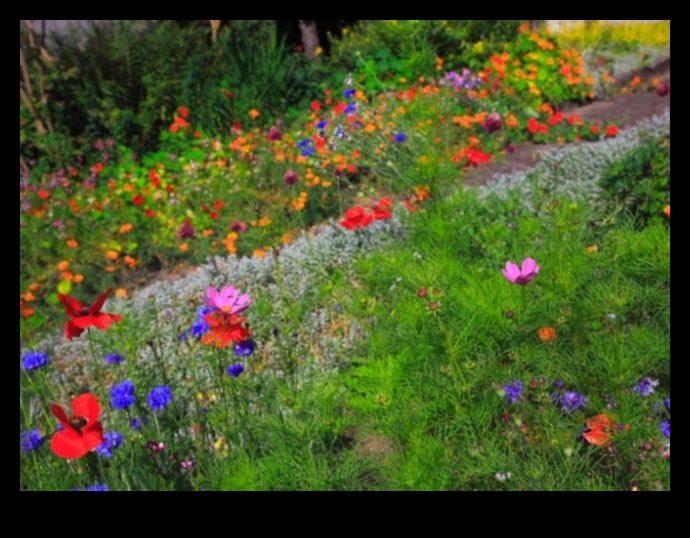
point(227, 296)
point(529, 268)
point(511, 272)
point(214, 300)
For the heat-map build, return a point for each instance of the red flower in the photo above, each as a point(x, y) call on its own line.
point(543, 129)
point(182, 111)
point(315, 106)
point(599, 431)
point(214, 215)
point(138, 200)
point(556, 119)
point(83, 317)
point(611, 130)
point(382, 210)
point(594, 129)
point(355, 217)
point(225, 330)
point(81, 433)
point(219, 204)
point(150, 213)
point(532, 125)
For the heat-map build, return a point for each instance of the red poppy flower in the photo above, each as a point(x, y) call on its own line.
point(82, 432)
point(355, 217)
point(532, 125)
point(225, 330)
point(82, 317)
point(315, 106)
point(611, 130)
point(382, 210)
point(599, 431)
point(138, 200)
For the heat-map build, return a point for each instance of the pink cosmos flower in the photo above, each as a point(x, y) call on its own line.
point(227, 300)
point(523, 276)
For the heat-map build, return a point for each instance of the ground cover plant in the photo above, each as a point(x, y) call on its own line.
point(424, 337)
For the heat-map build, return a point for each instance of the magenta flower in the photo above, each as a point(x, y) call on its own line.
point(523, 276)
point(227, 301)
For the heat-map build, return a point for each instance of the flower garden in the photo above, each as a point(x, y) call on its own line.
point(317, 303)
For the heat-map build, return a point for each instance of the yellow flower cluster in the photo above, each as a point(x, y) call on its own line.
point(657, 34)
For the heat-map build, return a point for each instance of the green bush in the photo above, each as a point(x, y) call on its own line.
point(410, 47)
point(640, 185)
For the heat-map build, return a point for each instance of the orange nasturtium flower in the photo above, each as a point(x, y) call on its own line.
point(71, 243)
point(547, 334)
point(667, 211)
point(253, 114)
point(63, 266)
point(126, 228)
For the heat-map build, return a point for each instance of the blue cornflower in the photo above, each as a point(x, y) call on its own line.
point(668, 404)
point(666, 428)
point(182, 337)
point(34, 360)
point(572, 401)
point(235, 370)
point(400, 138)
point(199, 329)
point(513, 391)
point(136, 424)
point(304, 143)
point(98, 487)
point(559, 384)
point(30, 441)
point(645, 387)
point(349, 93)
point(112, 359)
point(322, 125)
point(339, 132)
point(159, 398)
point(112, 441)
point(203, 311)
point(308, 152)
point(122, 396)
point(244, 349)
point(351, 108)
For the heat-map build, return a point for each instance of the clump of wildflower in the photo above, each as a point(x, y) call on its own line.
point(645, 387)
point(112, 441)
point(30, 441)
point(572, 401)
point(34, 360)
point(235, 370)
point(159, 398)
point(513, 391)
point(122, 396)
point(112, 359)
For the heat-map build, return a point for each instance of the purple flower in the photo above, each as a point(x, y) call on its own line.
point(227, 301)
point(666, 428)
point(322, 125)
point(274, 134)
point(290, 178)
point(34, 360)
point(186, 231)
point(122, 396)
point(493, 123)
point(663, 89)
point(523, 276)
point(159, 398)
point(399, 138)
point(98, 487)
point(244, 349)
point(112, 359)
point(513, 391)
point(349, 93)
point(112, 441)
point(645, 387)
point(668, 404)
point(309, 152)
point(30, 441)
point(304, 143)
point(351, 109)
point(235, 370)
point(572, 401)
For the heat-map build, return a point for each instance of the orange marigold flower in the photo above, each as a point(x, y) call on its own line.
point(667, 211)
point(34, 286)
point(547, 334)
point(110, 269)
point(253, 114)
point(126, 228)
point(112, 255)
point(184, 247)
point(71, 243)
point(78, 279)
point(129, 261)
point(121, 293)
point(28, 297)
point(63, 266)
